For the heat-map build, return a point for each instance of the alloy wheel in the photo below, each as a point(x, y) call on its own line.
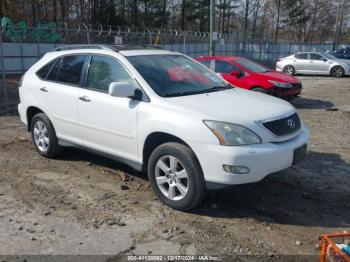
point(41, 136)
point(289, 70)
point(171, 177)
point(338, 72)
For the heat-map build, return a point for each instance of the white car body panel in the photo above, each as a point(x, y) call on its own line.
point(120, 126)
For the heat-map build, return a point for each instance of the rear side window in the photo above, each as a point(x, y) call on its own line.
point(224, 67)
point(42, 72)
point(104, 70)
point(71, 68)
point(301, 56)
point(54, 71)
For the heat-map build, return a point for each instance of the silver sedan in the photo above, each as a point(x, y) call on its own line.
point(313, 63)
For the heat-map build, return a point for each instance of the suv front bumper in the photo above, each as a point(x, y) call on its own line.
point(261, 159)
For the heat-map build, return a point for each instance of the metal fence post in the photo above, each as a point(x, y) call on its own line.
point(184, 43)
point(6, 102)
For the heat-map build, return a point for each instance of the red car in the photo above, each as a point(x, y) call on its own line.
point(247, 74)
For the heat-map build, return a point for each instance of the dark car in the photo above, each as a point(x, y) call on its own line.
point(343, 52)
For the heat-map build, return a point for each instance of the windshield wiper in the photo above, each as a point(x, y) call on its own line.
point(217, 88)
point(209, 90)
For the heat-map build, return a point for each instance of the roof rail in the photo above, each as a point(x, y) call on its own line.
point(134, 47)
point(72, 47)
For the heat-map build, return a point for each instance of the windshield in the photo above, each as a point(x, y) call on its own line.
point(252, 66)
point(329, 56)
point(176, 75)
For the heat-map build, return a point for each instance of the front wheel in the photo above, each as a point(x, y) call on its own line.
point(176, 176)
point(337, 71)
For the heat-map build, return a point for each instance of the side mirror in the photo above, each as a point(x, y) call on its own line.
point(324, 60)
point(236, 73)
point(122, 89)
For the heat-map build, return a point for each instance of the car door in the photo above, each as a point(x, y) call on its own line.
point(225, 69)
point(107, 124)
point(318, 64)
point(302, 63)
point(60, 92)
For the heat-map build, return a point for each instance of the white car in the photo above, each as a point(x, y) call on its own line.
point(313, 63)
point(159, 111)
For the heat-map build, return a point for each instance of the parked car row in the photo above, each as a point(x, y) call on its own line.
point(166, 114)
point(250, 75)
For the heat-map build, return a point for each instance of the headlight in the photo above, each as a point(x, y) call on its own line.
point(232, 134)
point(280, 84)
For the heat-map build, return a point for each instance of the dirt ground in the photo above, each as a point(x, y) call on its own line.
point(82, 204)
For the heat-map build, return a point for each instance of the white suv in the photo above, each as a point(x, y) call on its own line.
point(162, 112)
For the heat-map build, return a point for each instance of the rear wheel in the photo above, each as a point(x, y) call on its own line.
point(289, 69)
point(44, 136)
point(176, 176)
point(337, 71)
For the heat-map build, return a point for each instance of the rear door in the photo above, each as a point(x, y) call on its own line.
point(302, 63)
point(60, 91)
point(107, 124)
point(318, 64)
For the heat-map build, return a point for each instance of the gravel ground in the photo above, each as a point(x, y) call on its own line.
point(85, 204)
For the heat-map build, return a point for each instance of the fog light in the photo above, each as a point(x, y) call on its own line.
point(236, 169)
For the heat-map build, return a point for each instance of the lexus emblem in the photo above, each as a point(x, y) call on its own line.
point(291, 123)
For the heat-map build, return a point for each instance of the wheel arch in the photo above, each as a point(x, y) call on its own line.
point(334, 66)
point(295, 70)
point(30, 113)
point(155, 139)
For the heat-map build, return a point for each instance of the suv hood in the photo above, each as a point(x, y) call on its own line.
point(234, 106)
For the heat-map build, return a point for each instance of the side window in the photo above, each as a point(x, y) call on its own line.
point(224, 67)
point(205, 62)
point(71, 68)
point(303, 56)
point(314, 56)
point(104, 70)
point(54, 71)
point(42, 72)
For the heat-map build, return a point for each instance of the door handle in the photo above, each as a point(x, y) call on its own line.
point(44, 89)
point(85, 98)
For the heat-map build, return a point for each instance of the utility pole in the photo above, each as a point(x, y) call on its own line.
point(212, 28)
point(335, 41)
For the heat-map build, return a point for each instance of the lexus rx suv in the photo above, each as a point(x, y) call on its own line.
point(159, 112)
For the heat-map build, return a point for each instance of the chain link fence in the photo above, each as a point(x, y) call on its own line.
point(20, 47)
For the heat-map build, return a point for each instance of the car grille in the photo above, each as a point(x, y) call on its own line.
point(284, 126)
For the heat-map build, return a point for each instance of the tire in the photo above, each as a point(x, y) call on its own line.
point(337, 71)
point(259, 89)
point(44, 136)
point(167, 179)
point(289, 70)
